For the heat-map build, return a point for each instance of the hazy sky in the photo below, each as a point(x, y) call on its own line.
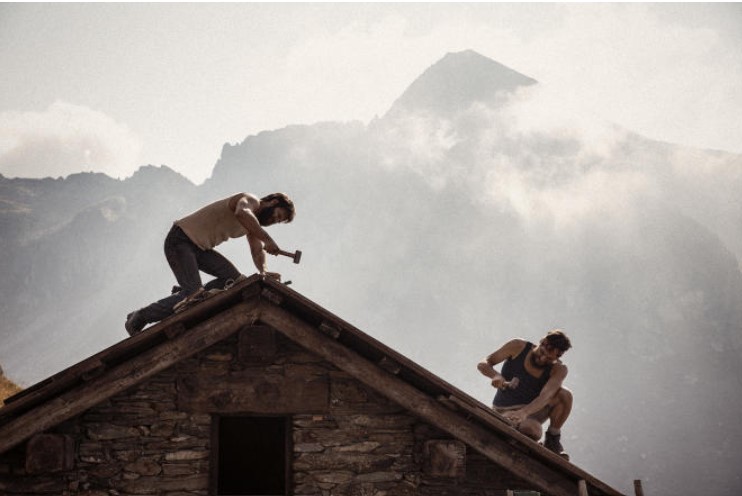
point(110, 87)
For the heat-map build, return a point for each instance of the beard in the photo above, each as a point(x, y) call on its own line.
point(264, 215)
point(536, 363)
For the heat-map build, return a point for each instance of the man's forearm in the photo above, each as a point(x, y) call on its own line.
point(536, 405)
point(257, 253)
point(251, 224)
point(487, 370)
point(259, 261)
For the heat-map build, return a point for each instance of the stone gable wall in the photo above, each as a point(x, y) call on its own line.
point(346, 438)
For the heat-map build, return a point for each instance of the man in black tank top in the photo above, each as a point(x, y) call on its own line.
point(530, 386)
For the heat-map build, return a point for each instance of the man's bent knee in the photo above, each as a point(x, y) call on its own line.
point(531, 428)
point(563, 397)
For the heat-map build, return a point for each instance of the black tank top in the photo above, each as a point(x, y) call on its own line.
point(529, 387)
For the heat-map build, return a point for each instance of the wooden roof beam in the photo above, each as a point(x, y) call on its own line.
point(390, 365)
point(127, 374)
point(329, 329)
point(543, 477)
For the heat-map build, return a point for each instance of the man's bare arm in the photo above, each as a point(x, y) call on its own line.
point(551, 388)
point(487, 366)
point(257, 253)
point(244, 207)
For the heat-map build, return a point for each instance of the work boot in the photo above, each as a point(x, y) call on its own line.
point(135, 323)
point(552, 442)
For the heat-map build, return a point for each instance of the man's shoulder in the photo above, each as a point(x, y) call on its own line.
point(238, 196)
point(250, 200)
point(560, 369)
point(518, 342)
point(515, 346)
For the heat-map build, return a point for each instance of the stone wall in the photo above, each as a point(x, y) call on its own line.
point(346, 439)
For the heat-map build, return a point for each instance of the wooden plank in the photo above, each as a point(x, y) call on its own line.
point(330, 330)
point(390, 365)
point(272, 296)
point(93, 373)
point(127, 374)
point(485, 441)
point(174, 330)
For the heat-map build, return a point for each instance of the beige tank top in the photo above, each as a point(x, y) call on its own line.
point(212, 225)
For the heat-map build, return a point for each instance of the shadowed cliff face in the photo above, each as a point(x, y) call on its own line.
point(444, 232)
point(80, 250)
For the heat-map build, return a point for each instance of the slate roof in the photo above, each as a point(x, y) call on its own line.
point(259, 300)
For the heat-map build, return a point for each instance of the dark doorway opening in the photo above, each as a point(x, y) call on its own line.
point(251, 456)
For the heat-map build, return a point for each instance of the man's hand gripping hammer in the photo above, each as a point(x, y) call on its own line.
point(512, 384)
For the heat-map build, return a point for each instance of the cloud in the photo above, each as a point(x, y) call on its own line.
point(421, 143)
point(65, 139)
point(667, 79)
point(358, 71)
point(550, 161)
point(533, 156)
point(674, 81)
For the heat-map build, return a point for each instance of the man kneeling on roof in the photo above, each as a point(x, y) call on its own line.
point(529, 387)
point(189, 249)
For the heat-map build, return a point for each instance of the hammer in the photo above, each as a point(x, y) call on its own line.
point(296, 256)
point(512, 384)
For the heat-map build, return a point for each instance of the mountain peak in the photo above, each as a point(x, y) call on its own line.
point(457, 81)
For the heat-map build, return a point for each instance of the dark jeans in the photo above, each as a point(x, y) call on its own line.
point(186, 259)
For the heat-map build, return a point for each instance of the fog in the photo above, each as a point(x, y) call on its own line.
point(444, 237)
point(444, 233)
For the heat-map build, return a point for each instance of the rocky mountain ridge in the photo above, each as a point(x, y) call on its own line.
point(442, 231)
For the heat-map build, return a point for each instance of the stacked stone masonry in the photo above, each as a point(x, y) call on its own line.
point(346, 439)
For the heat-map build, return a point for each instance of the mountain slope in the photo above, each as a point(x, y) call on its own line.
point(456, 82)
point(80, 245)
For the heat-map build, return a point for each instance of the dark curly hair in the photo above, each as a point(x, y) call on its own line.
point(557, 339)
point(283, 202)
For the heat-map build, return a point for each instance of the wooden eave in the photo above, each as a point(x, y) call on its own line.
point(259, 300)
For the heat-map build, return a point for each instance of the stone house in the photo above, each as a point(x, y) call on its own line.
point(259, 391)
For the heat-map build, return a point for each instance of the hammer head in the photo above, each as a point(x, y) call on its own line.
point(297, 256)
